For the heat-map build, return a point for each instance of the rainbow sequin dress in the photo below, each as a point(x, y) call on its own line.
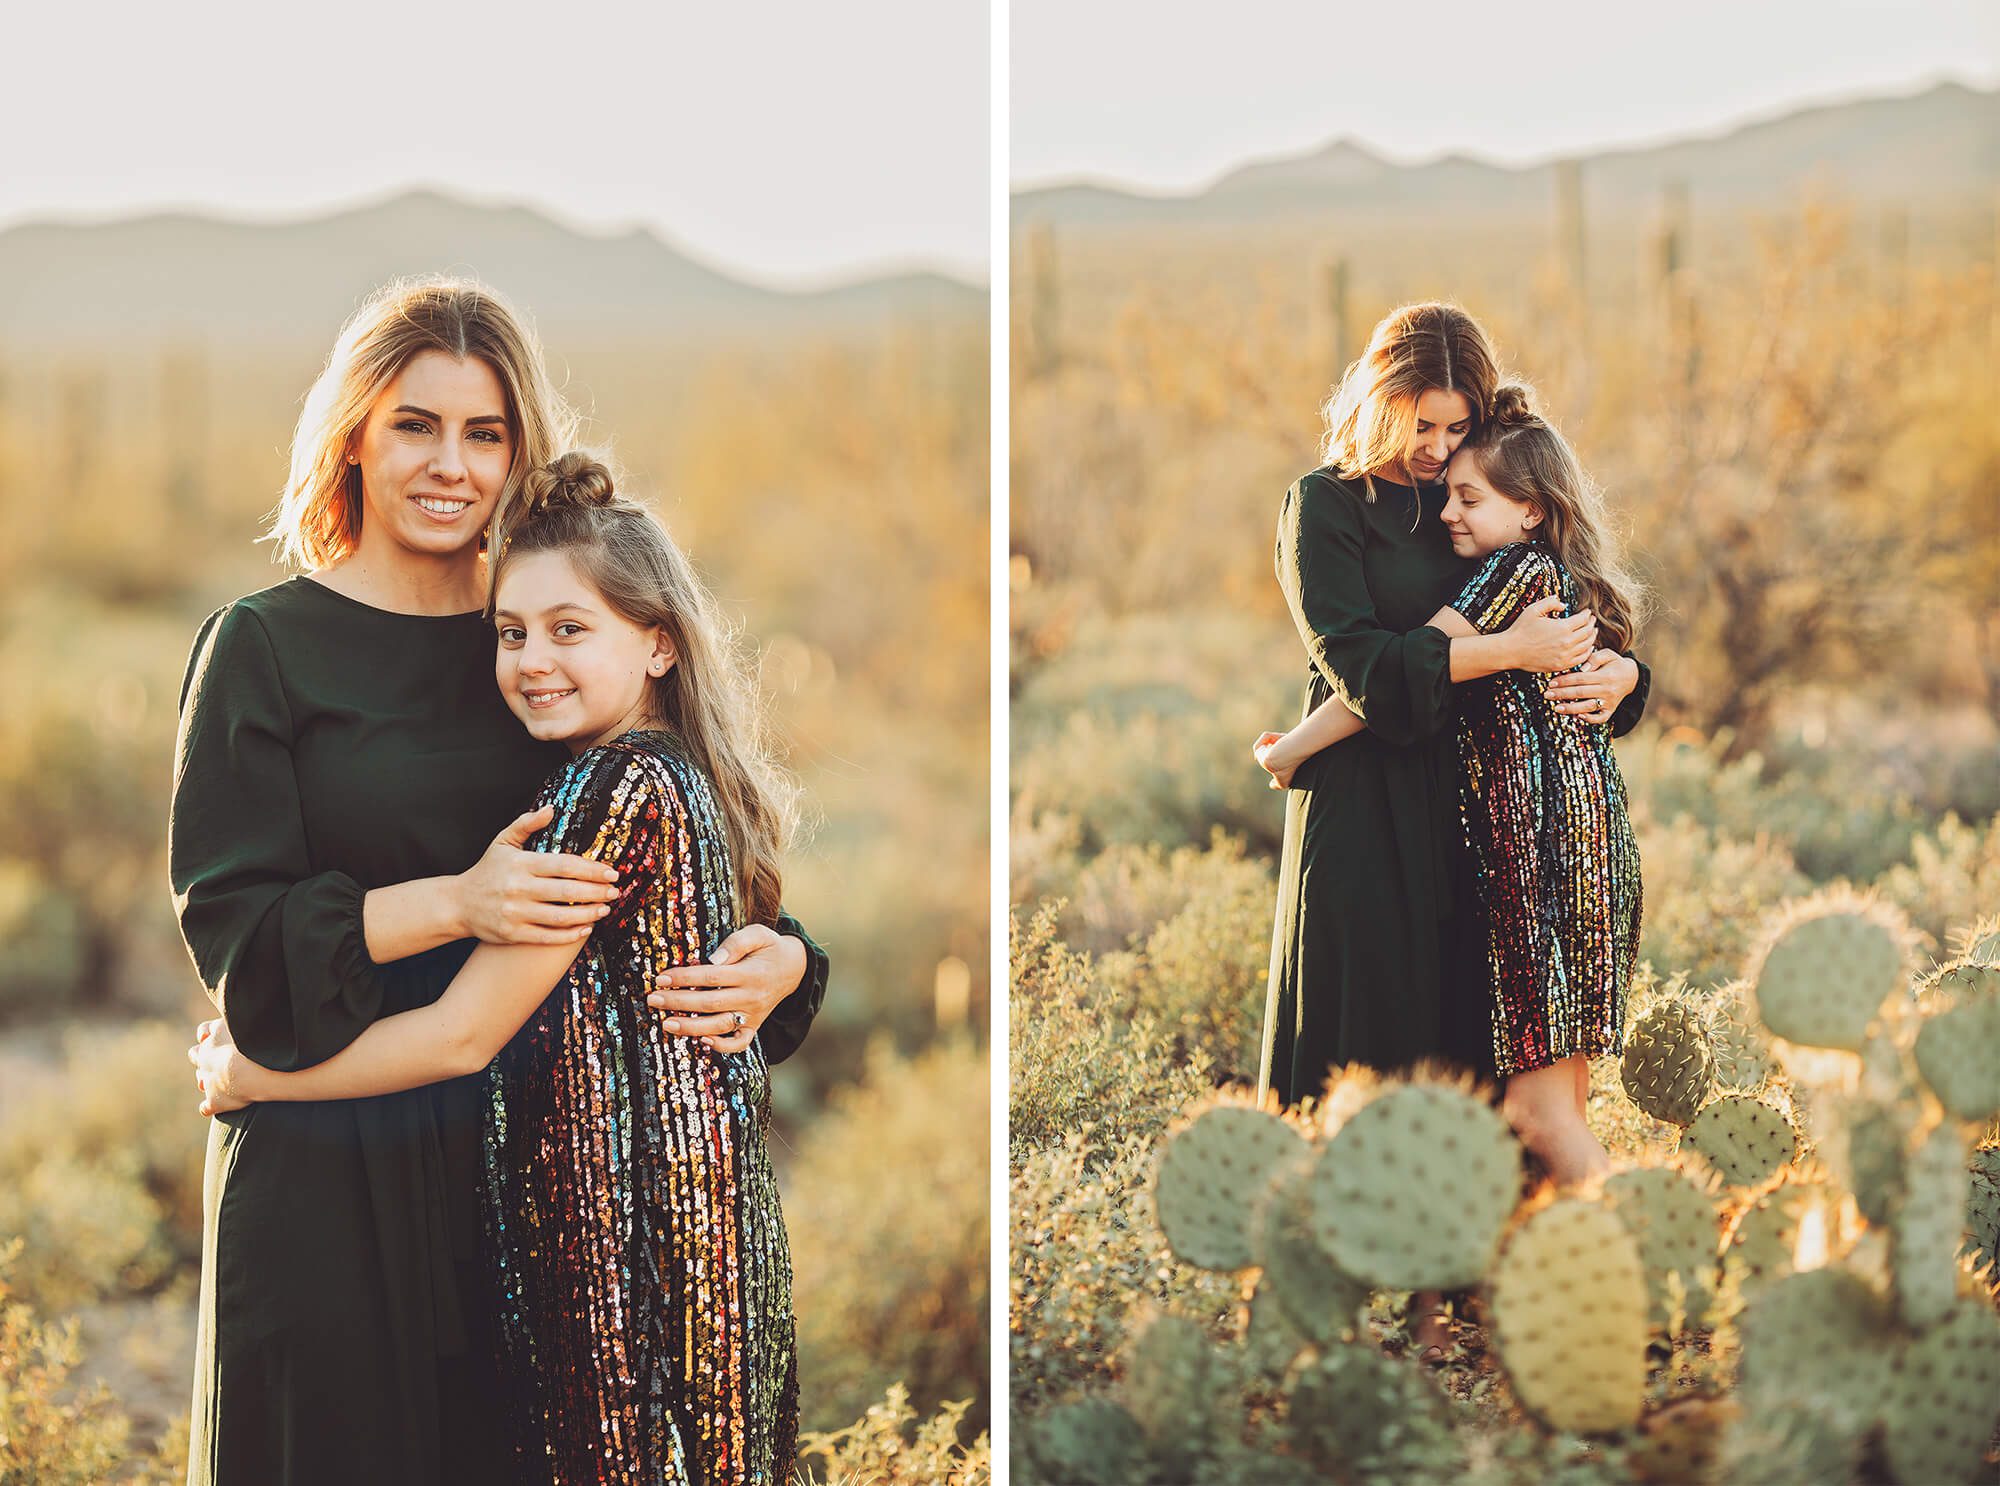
point(632, 1214)
point(1552, 848)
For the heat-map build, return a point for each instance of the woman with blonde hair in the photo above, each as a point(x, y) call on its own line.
point(343, 764)
point(1370, 950)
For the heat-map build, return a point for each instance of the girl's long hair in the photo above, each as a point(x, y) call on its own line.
point(1371, 415)
point(318, 520)
point(708, 696)
point(1524, 458)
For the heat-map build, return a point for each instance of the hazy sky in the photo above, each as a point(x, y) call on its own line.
point(1172, 93)
point(791, 142)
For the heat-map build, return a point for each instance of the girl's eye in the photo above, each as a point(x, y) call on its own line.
point(569, 625)
point(510, 635)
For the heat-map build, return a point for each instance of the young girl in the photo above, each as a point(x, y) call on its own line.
point(631, 1213)
point(1541, 798)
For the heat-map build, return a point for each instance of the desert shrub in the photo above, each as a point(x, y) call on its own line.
point(1951, 879)
point(1078, 1057)
point(101, 1174)
point(1705, 894)
point(881, 1448)
point(51, 1433)
point(43, 930)
point(886, 1204)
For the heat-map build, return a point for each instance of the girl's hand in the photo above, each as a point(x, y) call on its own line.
point(1595, 692)
point(1272, 757)
point(513, 896)
point(1543, 642)
point(219, 1069)
point(725, 1001)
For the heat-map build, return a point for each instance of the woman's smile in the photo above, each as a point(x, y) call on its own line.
point(444, 507)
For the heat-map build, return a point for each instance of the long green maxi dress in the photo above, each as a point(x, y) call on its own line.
point(1373, 959)
point(347, 1323)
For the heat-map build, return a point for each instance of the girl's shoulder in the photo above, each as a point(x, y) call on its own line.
point(1531, 563)
point(639, 766)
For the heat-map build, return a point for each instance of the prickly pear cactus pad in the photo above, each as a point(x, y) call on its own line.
point(1569, 1317)
point(1822, 1335)
point(1958, 1053)
point(1982, 941)
point(1764, 1235)
point(1368, 1418)
point(1173, 1385)
point(1982, 1213)
point(1412, 1192)
point(1680, 1442)
point(1089, 1440)
point(1925, 1235)
point(1825, 977)
point(1792, 1441)
point(1743, 1058)
point(1870, 1149)
point(1944, 1399)
point(1675, 1226)
point(1959, 981)
point(1667, 1067)
point(1744, 1139)
point(1211, 1174)
point(1315, 1297)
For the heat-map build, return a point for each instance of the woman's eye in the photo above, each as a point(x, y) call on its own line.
point(413, 425)
point(486, 435)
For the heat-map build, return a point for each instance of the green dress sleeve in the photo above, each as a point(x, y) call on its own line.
point(1628, 712)
point(1398, 684)
point(786, 1027)
point(279, 947)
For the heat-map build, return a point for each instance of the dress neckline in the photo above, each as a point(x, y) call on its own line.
point(354, 603)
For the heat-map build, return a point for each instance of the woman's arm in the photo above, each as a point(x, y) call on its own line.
point(1398, 684)
point(496, 990)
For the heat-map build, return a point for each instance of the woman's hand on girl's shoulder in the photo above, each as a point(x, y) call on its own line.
point(1545, 641)
point(515, 896)
point(725, 1000)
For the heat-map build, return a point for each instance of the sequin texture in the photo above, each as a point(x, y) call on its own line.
point(1557, 866)
point(631, 1210)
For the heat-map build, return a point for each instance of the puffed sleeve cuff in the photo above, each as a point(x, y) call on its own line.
point(786, 1027)
point(1629, 711)
point(1405, 686)
point(335, 989)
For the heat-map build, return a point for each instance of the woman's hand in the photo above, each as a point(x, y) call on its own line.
point(725, 1001)
point(219, 1069)
point(1543, 642)
point(514, 896)
point(1275, 759)
point(1595, 692)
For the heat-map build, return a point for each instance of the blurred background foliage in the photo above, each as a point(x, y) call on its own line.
point(829, 477)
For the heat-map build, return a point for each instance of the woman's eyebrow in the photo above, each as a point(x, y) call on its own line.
point(435, 418)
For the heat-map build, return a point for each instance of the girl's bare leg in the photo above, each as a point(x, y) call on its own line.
point(1582, 1085)
point(1542, 1107)
point(1428, 1326)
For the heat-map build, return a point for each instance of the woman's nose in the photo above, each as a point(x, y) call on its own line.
point(446, 463)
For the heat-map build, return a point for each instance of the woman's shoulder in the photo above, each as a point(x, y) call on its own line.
point(1325, 495)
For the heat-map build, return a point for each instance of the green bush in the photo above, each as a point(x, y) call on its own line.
point(43, 930)
point(881, 1448)
point(1951, 879)
point(101, 1173)
point(1705, 894)
point(886, 1205)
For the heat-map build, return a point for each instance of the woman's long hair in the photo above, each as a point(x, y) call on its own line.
point(1372, 413)
point(318, 520)
point(1524, 458)
point(708, 696)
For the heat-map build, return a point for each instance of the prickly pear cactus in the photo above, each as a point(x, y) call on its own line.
point(1569, 1317)
point(1943, 1401)
point(1826, 975)
point(1743, 1059)
point(1412, 1192)
point(1823, 1335)
point(1682, 1441)
point(1786, 1443)
point(1668, 1068)
point(1211, 1174)
point(1981, 942)
point(1365, 1417)
point(1745, 1140)
point(1762, 1238)
point(1316, 1298)
point(1869, 1148)
point(1674, 1224)
point(1173, 1387)
point(1090, 1440)
point(1982, 1213)
point(1958, 1053)
point(1925, 1233)
point(1959, 981)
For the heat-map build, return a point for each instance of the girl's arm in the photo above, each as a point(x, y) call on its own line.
point(497, 990)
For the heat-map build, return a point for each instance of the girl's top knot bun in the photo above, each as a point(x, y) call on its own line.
point(572, 481)
point(1514, 405)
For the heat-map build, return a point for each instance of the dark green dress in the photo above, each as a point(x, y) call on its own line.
point(347, 1317)
point(1372, 960)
